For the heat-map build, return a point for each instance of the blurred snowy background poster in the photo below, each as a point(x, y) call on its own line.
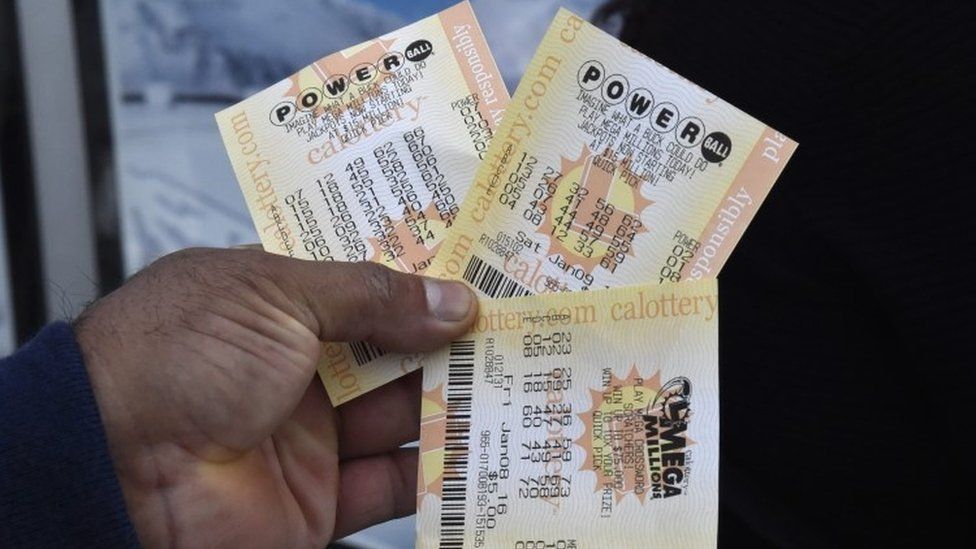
point(171, 64)
point(6, 307)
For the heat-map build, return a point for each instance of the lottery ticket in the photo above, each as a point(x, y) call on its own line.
point(573, 420)
point(609, 169)
point(366, 154)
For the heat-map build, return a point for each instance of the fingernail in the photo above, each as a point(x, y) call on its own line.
point(447, 300)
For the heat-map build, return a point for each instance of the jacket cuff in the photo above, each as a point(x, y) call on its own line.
point(58, 485)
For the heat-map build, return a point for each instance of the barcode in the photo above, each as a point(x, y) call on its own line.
point(460, 382)
point(491, 281)
point(365, 352)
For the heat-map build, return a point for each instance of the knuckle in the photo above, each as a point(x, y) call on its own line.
point(244, 270)
point(216, 271)
point(179, 259)
point(193, 283)
point(181, 268)
point(195, 315)
point(380, 284)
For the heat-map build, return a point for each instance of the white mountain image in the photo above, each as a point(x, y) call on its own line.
point(226, 48)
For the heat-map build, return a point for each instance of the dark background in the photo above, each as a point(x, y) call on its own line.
point(847, 327)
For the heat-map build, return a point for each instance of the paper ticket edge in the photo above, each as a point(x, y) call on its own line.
point(756, 178)
point(761, 187)
point(492, 163)
point(231, 133)
point(461, 13)
point(708, 286)
point(465, 16)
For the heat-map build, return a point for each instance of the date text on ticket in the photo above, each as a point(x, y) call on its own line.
point(366, 154)
point(608, 169)
point(574, 420)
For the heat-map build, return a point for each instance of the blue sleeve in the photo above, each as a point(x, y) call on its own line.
point(58, 487)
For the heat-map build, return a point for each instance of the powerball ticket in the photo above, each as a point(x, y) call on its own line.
point(608, 169)
point(366, 155)
point(573, 420)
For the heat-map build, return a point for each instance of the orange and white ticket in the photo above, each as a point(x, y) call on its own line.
point(575, 420)
point(366, 155)
point(608, 169)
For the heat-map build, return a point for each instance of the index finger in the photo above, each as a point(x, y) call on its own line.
point(382, 420)
point(366, 301)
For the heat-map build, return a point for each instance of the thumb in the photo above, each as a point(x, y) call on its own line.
point(366, 301)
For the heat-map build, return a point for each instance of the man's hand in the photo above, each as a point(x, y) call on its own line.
point(203, 366)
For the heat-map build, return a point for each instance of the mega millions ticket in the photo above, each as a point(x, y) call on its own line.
point(609, 169)
point(366, 155)
point(573, 420)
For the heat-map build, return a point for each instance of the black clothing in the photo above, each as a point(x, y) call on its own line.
point(846, 338)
